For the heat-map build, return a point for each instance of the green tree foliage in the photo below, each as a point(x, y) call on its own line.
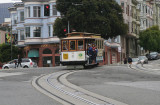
point(5, 52)
point(95, 16)
point(150, 39)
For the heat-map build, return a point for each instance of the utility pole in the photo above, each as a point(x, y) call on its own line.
point(11, 38)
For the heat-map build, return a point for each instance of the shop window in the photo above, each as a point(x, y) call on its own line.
point(57, 60)
point(57, 51)
point(47, 51)
point(64, 45)
point(80, 45)
point(72, 45)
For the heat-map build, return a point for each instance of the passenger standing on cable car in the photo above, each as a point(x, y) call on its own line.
point(94, 53)
point(90, 53)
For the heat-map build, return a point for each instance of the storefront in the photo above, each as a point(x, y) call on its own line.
point(46, 55)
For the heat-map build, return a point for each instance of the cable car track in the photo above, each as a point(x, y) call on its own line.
point(71, 96)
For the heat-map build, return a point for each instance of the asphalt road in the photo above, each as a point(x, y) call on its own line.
point(133, 87)
point(16, 88)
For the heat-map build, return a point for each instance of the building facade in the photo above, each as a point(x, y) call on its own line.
point(32, 22)
point(131, 13)
point(156, 12)
point(146, 14)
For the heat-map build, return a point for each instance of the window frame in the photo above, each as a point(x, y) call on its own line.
point(36, 32)
point(75, 45)
point(54, 10)
point(49, 31)
point(22, 37)
point(26, 34)
point(27, 12)
point(62, 45)
point(36, 11)
point(22, 16)
point(83, 45)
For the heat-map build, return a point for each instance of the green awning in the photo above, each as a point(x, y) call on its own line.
point(33, 53)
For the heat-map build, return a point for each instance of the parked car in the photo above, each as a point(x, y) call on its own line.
point(153, 56)
point(143, 59)
point(135, 61)
point(26, 63)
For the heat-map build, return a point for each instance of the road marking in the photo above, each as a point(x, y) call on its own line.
point(10, 74)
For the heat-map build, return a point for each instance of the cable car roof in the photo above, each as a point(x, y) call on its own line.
point(82, 35)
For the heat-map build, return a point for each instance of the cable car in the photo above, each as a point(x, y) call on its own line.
point(81, 48)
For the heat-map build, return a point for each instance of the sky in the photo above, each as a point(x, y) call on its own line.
point(9, 1)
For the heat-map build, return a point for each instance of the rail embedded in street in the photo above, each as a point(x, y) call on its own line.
point(57, 87)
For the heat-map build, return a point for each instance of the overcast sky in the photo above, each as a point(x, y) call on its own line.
point(9, 1)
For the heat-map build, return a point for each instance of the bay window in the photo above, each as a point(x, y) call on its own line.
point(36, 31)
point(27, 11)
point(54, 10)
point(27, 31)
point(21, 34)
point(36, 11)
point(22, 16)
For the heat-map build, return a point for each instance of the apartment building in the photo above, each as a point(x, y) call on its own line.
point(32, 23)
point(131, 17)
point(156, 12)
point(146, 14)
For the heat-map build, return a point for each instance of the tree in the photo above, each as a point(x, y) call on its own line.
point(95, 16)
point(150, 39)
point(5, 52)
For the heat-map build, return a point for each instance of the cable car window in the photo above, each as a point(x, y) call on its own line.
point(65, 45)
point(80, 45)
point(72, 45)
point(100, 44)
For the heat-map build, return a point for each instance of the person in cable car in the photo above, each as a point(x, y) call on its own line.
point(90, 53)
point(94, 53)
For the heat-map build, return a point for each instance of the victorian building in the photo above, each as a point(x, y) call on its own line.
point(131, 13)
point(32, 24)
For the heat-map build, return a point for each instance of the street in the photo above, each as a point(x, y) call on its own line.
point(136, 86)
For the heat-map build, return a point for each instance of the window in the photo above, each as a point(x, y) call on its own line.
point(36, 11)
point(25, 60)
point(36, 31)
point(54, 10)
point(27, 31)
point(80, 45)
point(72, 45)
point(57, 51)
point(27, 9)
point(122, 5)
point(21, 34)
point(64, 45)
point(14, 19)
point(49, 31)
point(47, 51)
point(22, 16)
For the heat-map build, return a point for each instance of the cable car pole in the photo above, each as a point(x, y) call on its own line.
point(68, 27)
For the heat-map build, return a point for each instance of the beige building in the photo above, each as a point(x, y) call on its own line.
point(2, 36)
point(131, 13)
